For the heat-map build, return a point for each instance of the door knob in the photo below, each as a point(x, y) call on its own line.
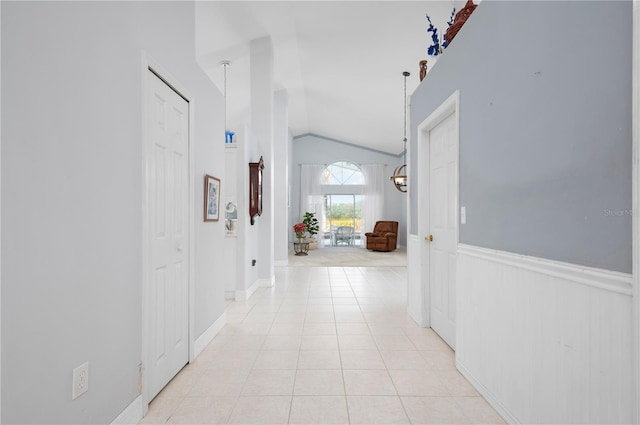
point(179, 248)
point(429, 238)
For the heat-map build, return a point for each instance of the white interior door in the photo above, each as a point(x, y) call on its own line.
point(169, 245)
point(443, 213)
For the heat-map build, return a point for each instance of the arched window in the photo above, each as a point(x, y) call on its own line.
point(343, 173)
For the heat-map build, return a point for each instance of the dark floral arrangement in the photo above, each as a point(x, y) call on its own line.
point(435, 49)
point(299, 229)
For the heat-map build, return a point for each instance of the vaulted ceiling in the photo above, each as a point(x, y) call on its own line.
point(340, 62)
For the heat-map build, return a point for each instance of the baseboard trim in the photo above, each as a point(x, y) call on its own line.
point(246, 294)
point(417, 319)
point(589, 276)
point(491, 399)
point(229, 295)
point(208, 335)
point(131, 415)
point(268, 282)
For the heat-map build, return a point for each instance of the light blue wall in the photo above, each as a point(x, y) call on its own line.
point(545, 128)
point(313, 149)
point(72, 187)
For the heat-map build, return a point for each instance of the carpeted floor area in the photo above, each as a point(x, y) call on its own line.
point(349, 257)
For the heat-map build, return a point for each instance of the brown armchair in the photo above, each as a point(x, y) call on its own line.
point(384, 236)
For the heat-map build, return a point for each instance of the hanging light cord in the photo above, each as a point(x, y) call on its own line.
point(399, 179)
point(406, 74)
point(225, 79)
point(225, 65)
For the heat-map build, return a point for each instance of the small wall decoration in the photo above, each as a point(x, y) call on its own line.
point(438, 44)
point(460, 19)
point(211, 198)
point(423, 69)
point(255, 189)
point(230, 217)
point(229, 140)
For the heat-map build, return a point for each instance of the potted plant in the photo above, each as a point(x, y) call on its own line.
point(311, 223)
point(300, 247)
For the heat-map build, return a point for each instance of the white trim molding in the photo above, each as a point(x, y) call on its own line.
point(484, 392)
point(207, 336)
point(131, 415)
point(246, 294)
point(533, 332)
point(418, 265)
point(267, 282)
point(598, 278)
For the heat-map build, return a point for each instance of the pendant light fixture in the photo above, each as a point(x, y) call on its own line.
point(399, 177)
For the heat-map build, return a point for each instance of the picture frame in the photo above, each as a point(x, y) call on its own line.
point(230, 208)
point(211, 198)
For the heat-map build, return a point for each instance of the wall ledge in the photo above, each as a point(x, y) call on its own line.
point(589, 276)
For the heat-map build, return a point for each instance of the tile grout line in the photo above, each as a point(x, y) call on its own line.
point(376, 286)
point(295, 376)
point(244, 384)
point(386, 367)
point(335, 324)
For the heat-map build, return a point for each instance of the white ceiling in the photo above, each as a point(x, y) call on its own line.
point(340, 62)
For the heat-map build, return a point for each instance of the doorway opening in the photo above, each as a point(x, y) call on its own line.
point(342, 218)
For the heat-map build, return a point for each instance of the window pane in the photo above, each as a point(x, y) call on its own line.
point(343, 173)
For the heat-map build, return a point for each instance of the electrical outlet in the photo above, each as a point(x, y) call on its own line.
point(80, 381)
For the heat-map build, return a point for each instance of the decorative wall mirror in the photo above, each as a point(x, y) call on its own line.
point(255, 189)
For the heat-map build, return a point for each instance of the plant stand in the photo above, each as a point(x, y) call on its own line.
point(301, 248)
point(313, 243)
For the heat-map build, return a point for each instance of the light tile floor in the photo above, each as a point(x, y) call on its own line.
point(326, 345)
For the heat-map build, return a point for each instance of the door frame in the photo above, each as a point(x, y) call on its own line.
point(450, 106)
point(151, 65)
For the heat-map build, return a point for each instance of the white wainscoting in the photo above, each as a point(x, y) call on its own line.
point(544, 341)
point(416, 299)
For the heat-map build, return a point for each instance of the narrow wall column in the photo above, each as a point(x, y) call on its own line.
point(281, 177)
point(262, 107)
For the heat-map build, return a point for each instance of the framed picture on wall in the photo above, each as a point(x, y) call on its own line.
point(230, 217)
point(211, 198)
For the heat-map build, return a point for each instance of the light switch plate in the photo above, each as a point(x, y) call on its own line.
point(80, 381)
point(463, 215)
